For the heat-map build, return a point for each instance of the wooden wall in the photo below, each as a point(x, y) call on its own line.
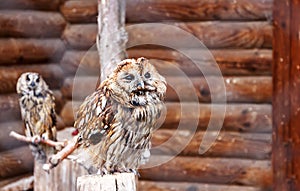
point(53, 37)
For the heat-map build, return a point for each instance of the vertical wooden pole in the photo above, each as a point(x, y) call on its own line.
point(112, 36)
point(111, 44)
point(286, 95)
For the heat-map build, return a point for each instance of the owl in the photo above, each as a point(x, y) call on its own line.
point(38, 112)
point(116, 122)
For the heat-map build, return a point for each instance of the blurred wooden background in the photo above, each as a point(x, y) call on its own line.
point(52, 37)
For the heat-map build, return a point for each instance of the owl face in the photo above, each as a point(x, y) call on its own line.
point(136, 83)
point(31, 84)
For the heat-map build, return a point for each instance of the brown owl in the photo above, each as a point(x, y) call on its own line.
point(116, 122)
point(37, 109)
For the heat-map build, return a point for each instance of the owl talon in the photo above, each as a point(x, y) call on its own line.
point(36, 139)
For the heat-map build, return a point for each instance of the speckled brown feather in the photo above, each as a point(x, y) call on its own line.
point(116, 122)
point(37, 108)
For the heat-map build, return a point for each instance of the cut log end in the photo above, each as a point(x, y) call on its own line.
point(120, 182)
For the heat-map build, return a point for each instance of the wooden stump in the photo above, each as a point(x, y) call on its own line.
point(62, 177)
point(117, 182)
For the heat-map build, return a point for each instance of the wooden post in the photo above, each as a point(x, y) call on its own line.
point(116, 182)
point(286, 95)
point(63, 176)
point(111, 42)
point(112, 36)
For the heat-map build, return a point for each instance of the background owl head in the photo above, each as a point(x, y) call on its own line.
point(136, 83)
point(31, 84)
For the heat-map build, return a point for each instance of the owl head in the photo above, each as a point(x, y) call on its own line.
point(135, 83)
point(31, 84)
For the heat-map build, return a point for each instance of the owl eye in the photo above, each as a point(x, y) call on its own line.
point(129, 77)
point(147, 75)
point(38, 79)
point(27, 78)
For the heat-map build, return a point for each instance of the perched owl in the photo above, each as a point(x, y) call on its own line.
point(115, 123)
point(37, 109)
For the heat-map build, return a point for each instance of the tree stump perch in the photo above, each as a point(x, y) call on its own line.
point(116, 182)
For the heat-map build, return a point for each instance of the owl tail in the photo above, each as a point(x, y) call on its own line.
point(41, 152)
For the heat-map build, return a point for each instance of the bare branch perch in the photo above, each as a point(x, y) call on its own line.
point(61, 155)
point(34, 140)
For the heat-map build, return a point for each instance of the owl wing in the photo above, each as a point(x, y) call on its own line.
point(94, 118)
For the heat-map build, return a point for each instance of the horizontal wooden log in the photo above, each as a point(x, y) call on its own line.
point(15, 162)
point(230, 62)
point(188, 186)
point(83, 62)
point(228, 144)
point(7, 142)
point(22, 182)
point(210, 170)
point(31, 24)
point(18, 51)
point(52, 73)
point(79, 11)
point(10, 109)
point(80, 36)
point(212, 34)
point(238, 89)
point(193, 10)
point(254, 118)
point(47, 5)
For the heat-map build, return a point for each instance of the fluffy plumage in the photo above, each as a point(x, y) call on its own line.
point(115, 123)
point(38, 112)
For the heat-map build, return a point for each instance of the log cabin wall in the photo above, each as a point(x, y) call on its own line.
point(55, 37)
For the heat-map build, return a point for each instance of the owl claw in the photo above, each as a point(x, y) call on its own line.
point(36, 139)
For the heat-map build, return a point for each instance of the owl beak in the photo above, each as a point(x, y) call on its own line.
point(32, 85)
point(140, 86)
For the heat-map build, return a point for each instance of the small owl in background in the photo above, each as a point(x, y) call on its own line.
point(116, 122)
point(38, 112)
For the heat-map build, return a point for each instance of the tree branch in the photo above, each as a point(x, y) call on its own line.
point(35, 140)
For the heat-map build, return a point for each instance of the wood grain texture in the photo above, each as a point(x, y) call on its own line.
point(137, 11)
point(27, 24)
point(52, 74)
point(294, 93)
point(46, 5)
point(116, 182)
point(238, 89)
point(80, 11)
point(212, 34)
point(283, 176)
point(188, 186)
point(15, 162)
point(227, 145)
point(231, 62)
point(210, 170)
point(286, 92)
point(18, 51)
point(255, 118)
point(193, 10)
point(62, 177)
